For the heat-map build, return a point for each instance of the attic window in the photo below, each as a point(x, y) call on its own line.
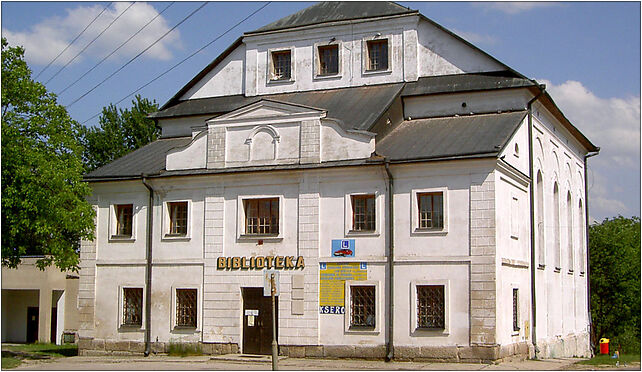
point(377, 55)
point(281, 65)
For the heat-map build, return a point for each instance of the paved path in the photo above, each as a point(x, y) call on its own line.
point(236, 363)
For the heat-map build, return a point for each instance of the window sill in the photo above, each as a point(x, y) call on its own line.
point(251, 237)
point(130, 328)
point(363, 330)
point(175, 237)
point(185, 329)
point(377, 72)
point(514, 334)
point(514, 237)
point(328, 77)
point(431, 332)
point(121, 239)
point(438, 232)
point(280, 81)
point(362, 233)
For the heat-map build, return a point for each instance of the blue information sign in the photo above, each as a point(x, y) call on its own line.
point(343, 247)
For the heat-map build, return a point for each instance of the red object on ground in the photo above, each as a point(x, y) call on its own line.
point(604, 346)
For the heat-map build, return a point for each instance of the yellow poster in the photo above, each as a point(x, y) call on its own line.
point(332, 277)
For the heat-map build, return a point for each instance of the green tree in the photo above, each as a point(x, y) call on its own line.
point(44, 210)
point(615, 282)
point(121, 131)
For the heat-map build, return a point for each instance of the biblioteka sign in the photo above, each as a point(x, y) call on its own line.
point(260, 263)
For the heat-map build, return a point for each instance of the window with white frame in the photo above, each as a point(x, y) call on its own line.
point(430, 206)
point(124, 220)
point(261, 216)
point(186, 307)
point(328, 60)
point(431, 305)
point(363, 309)
point(178, 218)
point(377, 55)
point(281, 64)
point(363, 212)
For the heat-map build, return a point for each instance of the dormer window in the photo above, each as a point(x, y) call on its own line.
point(328, 60)
point(281, 65)
point(377, 55)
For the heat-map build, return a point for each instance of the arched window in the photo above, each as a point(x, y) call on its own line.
point(539, 210)
point(556, 227)
point(581, 237)
point(569, 231)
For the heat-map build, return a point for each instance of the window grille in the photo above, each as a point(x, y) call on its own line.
point(329, 60)
point(281, 65)
point(377, 55)
point(362, 303)
point(133, 306)
point(124, 214)
point(363, 212)
point(186, 308)
point(261, 216)
point(178, 218)
point(430, 306)
point(515, 309)
point(431, 210)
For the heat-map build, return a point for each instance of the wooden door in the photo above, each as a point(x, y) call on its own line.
point(32, 324)
point(257, 322)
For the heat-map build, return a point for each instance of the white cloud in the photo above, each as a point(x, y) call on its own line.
point(43, 41)
point(514, 7)
point(475, 38)
point(613, 124)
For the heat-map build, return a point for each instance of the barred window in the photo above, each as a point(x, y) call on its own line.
point(186, 309)
point(431, 210)
point(133, 306)
point(329, 60)
point(431, 307)
point(124, 213)
point(515, 310)
point(362, 304)
point(363, 212)
point(377, 55)
point(261, 216)
point(281, 65)
point(177, 218)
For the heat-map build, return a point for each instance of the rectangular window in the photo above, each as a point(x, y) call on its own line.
point(515, 310)
point(431, 307)
point(514, 218)
point(362, 306)
point(328, 60)
point(133, 306)
point(186, 310)
point(377, 55)
point(177, 218)
point(431, 210)
point(261, 216)
point(281, 65)
point(363, 212)
point(124, 214)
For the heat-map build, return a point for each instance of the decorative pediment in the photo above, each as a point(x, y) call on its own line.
point(267, 110)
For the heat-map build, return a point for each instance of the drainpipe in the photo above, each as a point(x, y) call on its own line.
point(148, 268)
point(588, 261)
point(391, 276)
point(542, 87)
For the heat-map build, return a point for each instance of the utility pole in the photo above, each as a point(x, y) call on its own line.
point(275, 346)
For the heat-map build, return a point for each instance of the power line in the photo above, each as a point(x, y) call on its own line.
point(138, 55)
point(115, 50)
point(73, 41)
point(91, 42)
point(181, 62)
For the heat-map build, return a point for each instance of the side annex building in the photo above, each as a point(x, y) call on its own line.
point(418, 199)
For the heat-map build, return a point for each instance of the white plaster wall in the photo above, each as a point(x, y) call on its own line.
point(456, 275)
point(194, 156)
point(238, 151)
point(337, 144)
point(181, 127)
point(225, 79)
point(516, 151)
point(442, 54)
point(60, 317)
point(14, 313)
point(476, 102)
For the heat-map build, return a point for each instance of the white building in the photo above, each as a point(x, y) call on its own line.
point(365, 153)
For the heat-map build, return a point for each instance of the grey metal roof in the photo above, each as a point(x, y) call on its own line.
point(333, 11)
point(340, 104)
point(466, 82)
point(448, 137)
point(148, 159)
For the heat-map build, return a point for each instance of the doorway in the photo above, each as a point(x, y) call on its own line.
point(32, 324)
point(257, 321)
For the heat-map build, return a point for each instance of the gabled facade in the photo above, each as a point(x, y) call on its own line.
point(417, 198)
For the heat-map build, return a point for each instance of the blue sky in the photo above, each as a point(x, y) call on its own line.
point(588, 54)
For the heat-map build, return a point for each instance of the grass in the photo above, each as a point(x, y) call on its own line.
point(53, 350)
point(184, 349)
point(604, 359)
point(10, 362)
